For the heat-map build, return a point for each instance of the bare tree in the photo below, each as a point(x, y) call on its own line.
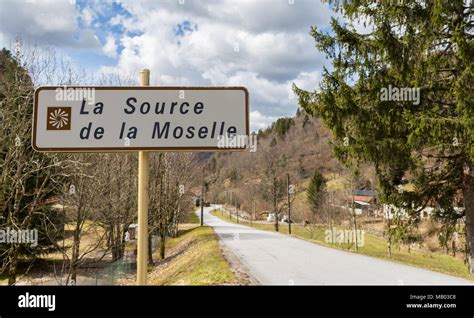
point(117, 207)
point(273, 186)
point(28, 178)
point(80, 200)
point(171, 176)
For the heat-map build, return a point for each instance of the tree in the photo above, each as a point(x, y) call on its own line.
point(315, 195)
point(30, 181)
point(117, 206)
point(27, 178)
point(80, 199)
point(171, 176)
point(315, 191)
point(424, 50)
point(282, 125)
point(273, 186)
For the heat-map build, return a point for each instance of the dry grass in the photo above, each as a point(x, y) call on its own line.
point(193, 258)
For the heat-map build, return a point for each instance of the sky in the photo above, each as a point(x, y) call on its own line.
point(263, 45)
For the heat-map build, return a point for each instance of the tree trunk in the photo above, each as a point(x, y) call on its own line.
point(389, 240)
point(112, 243)
point(150, 250)
point(123, 241)
point(117, 241)
point(355, 224)
point(469, 212)
point(275, 203)
point(74, 262)
point(12, 267)
point(162, 245)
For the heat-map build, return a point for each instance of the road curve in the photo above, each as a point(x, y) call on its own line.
point(278, 259)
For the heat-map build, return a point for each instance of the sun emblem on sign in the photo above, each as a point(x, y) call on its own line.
point(59, 118)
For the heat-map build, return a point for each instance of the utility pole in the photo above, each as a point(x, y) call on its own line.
point(289, 202)
point(237, 211)
point(230, 208)
point(202, 198)
point(252, 216)
point(354, 215)
point(226, 202)
point(331, 208)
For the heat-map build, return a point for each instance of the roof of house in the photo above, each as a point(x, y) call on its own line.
point(364, 192)
point(363, 198)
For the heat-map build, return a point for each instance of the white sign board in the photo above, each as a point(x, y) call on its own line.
point(101, 119)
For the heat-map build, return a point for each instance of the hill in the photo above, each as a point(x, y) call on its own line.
point(295, 146)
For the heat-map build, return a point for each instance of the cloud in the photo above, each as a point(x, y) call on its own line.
point(47, 22)
point(265, 47)
point(259, 121)
point(88, 16)
point(307, 80)
point(262, 45)
point(110, 48)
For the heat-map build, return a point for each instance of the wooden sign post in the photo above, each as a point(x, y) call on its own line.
point(142, 244)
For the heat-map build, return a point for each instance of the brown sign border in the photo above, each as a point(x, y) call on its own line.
point(132, 149)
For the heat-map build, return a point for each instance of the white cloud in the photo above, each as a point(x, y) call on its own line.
point(110, 48)
point(88, 15)
point(275, 49)
point(259, 121)
point(308, 80)
point(117, 20)
point(363, 26)
point(48, 22)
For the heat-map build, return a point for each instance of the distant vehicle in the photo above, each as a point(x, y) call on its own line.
point(206, 204)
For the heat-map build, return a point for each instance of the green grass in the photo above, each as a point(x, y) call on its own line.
point(374, 246)
point(199, 261)
point(191, 218)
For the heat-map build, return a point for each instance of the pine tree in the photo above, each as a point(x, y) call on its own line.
point(315, 190)
point(421, 48)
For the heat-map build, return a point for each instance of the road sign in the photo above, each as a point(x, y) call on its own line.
point(102, 119)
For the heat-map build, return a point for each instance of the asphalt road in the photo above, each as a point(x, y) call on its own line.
point(277, 259)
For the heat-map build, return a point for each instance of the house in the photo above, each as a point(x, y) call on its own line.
point(390, 211)
point(133, 231)
point(365, 201)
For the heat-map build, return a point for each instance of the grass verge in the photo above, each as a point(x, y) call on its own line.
point(195, 258)
point(374, 246)
point(191, 218)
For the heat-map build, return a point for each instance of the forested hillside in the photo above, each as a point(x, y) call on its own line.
point(298, 146)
